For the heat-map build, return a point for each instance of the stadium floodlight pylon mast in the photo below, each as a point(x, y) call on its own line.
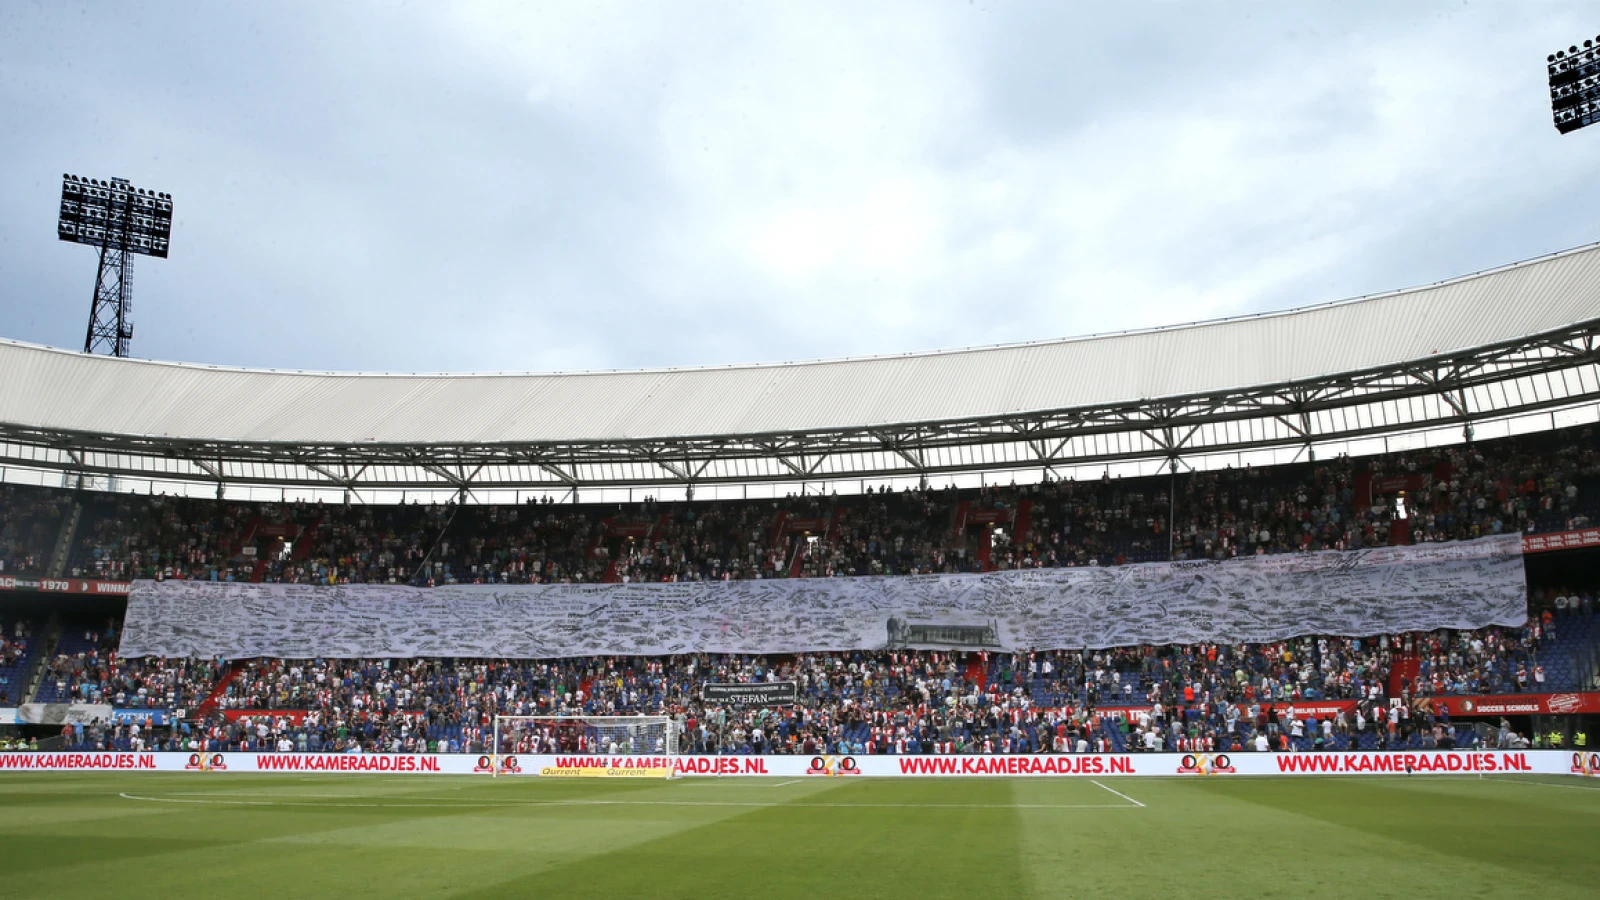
point(122, 221)
point(653, 736)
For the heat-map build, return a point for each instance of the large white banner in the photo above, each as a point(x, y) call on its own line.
point(1468, 584)
point(1083, 765)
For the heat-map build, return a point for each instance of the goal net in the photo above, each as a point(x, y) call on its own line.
point(607, 744)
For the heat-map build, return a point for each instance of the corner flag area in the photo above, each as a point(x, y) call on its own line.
point(155, 834)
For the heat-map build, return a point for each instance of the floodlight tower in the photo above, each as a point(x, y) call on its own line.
point(122, 221)
point(1575, 86)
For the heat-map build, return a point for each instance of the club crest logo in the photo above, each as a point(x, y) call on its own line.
point(1586, 763)
point(490, 765)
point(1205, 764)
point(833, 765)
point(206, 762)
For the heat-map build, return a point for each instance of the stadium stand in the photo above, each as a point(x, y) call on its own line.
point(17, 655)
point(30, 520)
point(1535, 484)
point(1132, 698)
point(879, 702)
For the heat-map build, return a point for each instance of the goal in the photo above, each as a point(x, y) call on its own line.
point(601, 736)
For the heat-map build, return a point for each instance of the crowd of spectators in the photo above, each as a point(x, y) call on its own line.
point(1203, 696)
point(98, 676)
point(14, 645)
point(14, 658)
point(30, 520)
point(1541, 483)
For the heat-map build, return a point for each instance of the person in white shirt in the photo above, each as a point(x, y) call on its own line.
point(1261, 742)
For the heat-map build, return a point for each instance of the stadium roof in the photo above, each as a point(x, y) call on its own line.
point(1280, 378)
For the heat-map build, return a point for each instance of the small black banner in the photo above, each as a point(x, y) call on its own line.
point(768, 693)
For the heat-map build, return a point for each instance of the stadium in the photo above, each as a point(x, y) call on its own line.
point(1293, 602)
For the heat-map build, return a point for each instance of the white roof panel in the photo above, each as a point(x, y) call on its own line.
point(61, 390)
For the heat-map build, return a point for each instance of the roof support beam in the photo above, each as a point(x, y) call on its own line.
point(214, 471)
point(674, 468)
point(1456, 389)
point(562, 475)
point(346, 480)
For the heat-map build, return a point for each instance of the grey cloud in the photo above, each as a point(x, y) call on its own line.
point(472, 187)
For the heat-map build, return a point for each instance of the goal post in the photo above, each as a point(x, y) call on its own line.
point(647, 743)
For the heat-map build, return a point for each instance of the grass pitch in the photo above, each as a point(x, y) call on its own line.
point(169, 836)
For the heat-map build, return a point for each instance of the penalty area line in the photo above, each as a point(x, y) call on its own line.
point(1118, 793)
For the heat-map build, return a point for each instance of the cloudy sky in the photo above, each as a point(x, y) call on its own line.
point(476, 186)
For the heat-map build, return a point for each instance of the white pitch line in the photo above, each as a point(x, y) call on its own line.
point(1118, 793)
point(269, 792)
point(713, 803)
point(1569, 787)
point(782, 783)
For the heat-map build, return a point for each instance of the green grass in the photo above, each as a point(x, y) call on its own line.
point(189, 835)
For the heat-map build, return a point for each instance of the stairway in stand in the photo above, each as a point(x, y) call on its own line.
point(977, 673)
point(986, 551)
point(797, 561)
point(218, 691)
point(1404, 667)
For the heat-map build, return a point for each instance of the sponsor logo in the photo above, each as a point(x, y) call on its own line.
point(833, 765)
point(1585, 763)
point(489, 765)
point(613, 762)
point(74, 761)
point(1053, 764)
point(344, 762)
point(1564, 703)
point(1509, 708)
point(1402, 762)
point(206, 762)
point(595, 772)
point(1520, 704)
point(720, 765)
point(1205, 764)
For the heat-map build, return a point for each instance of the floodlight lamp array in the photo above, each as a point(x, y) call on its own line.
point(1575, 85)
point(115, 214)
